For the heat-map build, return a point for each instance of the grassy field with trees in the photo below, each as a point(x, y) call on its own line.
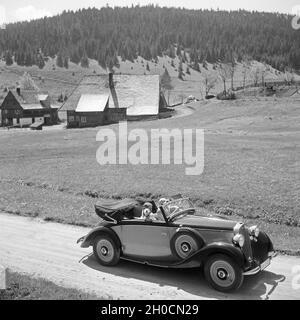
point(251, 169)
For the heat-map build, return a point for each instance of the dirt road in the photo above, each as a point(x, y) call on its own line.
point(49, 250)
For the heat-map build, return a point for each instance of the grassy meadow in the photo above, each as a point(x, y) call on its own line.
point(251, 169)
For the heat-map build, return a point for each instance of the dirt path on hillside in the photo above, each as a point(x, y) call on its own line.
point(185, 110)
point(49, 250)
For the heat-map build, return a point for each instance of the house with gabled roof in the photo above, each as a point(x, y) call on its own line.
point(26, 107)
point(103, 99)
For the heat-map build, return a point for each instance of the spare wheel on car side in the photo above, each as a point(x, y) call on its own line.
point(184, 244)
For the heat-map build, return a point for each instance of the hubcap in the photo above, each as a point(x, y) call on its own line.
point(105, 250)
point(222, 273)
point(185, 247)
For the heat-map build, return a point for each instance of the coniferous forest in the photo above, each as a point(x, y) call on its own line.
point(151, 31)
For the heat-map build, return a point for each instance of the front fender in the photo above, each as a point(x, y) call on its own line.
point(88, 239)
point(224, 248)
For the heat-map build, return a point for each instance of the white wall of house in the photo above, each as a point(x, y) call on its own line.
point(27, 121)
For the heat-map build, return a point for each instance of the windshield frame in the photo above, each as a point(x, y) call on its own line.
point(170, 216)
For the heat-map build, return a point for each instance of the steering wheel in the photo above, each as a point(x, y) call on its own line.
point(174, 214)
point(174, 209)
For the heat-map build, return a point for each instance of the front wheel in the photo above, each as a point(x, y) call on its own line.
point(222, 273)
point(106, 251)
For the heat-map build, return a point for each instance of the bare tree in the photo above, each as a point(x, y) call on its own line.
point(263, 70)
point(224, 74)
point(27, 83)
point(209, 81)
point(182, 97)
point(289, 76)
point(246, 67)
point(255, 75)
point(232, 68)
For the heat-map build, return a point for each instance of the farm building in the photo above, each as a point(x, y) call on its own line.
point(103, 99)
point(26, 107)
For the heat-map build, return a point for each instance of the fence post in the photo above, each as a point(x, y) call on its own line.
point(2, 278)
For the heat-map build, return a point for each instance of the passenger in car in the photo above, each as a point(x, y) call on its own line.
point(147, 214)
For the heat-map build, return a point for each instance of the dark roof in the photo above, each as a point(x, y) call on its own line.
point(139, 94)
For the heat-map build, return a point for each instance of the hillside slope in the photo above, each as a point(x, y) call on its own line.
point(151, 31)
point(56, 80)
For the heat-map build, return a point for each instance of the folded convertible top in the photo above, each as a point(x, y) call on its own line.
point(109, 209)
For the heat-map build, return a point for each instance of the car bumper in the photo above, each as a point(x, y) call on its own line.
point(262, 266)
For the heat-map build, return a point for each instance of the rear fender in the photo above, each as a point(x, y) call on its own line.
point(89, 238)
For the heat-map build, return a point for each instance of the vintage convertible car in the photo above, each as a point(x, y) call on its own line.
point(184, 238)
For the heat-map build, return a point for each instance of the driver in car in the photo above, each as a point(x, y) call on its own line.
point(161, 202)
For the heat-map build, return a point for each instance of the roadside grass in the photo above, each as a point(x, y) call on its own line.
point(24, 287)
point(251, 169)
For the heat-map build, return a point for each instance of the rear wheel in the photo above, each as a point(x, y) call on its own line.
point(106, 251)
point(223, 274)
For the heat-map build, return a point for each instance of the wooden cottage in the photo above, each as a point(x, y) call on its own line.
point(103, 99)
point(25, 107)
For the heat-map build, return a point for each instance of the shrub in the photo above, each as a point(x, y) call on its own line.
point(227, 96)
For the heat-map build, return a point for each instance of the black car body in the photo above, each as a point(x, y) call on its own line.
point(228, 250)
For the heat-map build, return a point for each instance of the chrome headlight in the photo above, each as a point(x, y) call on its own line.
point(254, 231)
point(239, 239)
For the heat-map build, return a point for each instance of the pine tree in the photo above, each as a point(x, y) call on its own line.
point(178, 51)
point(74, 56)
point(41, 61)
point(84, 62)
point(8, 58)
point(60, 60)
point(180, 71)
point(29, 60)
point(66, 62)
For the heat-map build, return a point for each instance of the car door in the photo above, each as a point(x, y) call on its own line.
point(149, 240)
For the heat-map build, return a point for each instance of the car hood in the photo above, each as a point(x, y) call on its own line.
point(210, 222)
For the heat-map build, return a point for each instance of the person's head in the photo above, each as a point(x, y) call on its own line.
point(146, 213)
point(147, 205)
point(162, 201)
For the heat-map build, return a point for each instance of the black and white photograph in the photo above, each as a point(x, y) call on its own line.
point(150, 151)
